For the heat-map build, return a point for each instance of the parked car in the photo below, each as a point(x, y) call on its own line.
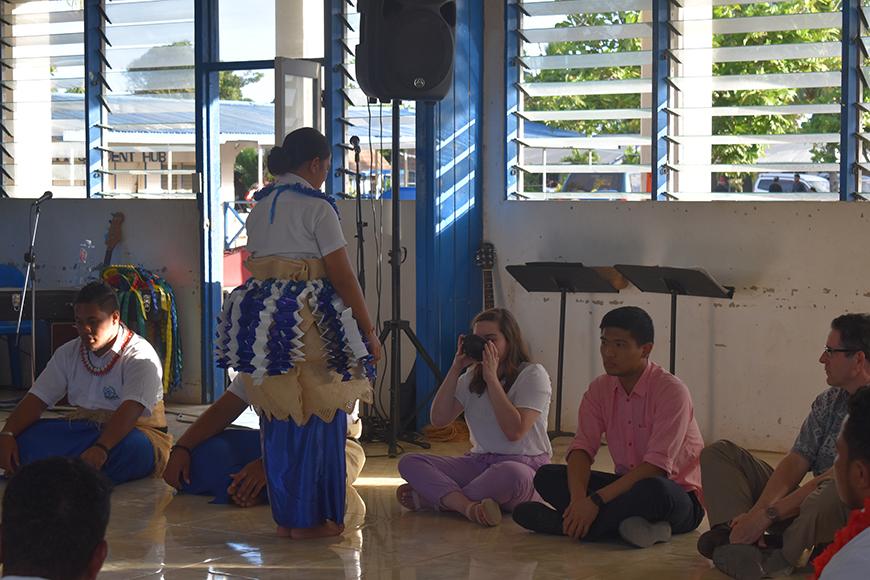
point(786, 181)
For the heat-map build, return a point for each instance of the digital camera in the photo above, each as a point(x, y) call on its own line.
point(472, 345)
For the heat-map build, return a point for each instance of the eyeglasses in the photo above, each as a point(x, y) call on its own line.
point(829, 351)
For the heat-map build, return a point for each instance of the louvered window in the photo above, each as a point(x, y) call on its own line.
point(584, 98)
point(149, 138)
point(756, 97)
point(42, 125)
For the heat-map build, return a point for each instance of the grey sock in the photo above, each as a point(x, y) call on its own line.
point(642, 533)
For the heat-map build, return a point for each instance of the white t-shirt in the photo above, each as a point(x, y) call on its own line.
point(852, 562)
point(237, 387)
point(304, 226)
point(531, 390)
point(137, 376)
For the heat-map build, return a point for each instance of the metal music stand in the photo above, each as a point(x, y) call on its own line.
point(561, 277)
point(676, 282)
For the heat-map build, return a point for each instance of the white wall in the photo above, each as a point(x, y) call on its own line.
point(409, 270)
point(751, 363)
point(162, 236)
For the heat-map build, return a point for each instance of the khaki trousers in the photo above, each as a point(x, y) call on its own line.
point(355, 459)
point(733, 480)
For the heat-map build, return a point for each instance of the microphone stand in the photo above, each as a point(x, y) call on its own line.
point(360, 224)
point(30, 277)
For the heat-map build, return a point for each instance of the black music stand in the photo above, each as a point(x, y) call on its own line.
point(676, 282)
point(561, 277)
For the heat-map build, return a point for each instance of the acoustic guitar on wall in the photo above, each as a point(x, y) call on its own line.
point(113, 237)
point(484, 258)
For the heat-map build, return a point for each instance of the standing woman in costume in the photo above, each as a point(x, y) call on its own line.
point(299, 334)
point(506, 399)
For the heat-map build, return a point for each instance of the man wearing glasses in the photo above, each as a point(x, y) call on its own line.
point(762, 520)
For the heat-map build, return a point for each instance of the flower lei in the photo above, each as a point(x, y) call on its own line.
point(279, 188)
point(99, 372)
point(858, 522)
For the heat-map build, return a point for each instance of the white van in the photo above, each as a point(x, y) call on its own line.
point(786, 180)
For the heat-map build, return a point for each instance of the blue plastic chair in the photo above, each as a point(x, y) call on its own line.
point(11, 277)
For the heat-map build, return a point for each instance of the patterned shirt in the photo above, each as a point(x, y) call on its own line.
point(817, 440)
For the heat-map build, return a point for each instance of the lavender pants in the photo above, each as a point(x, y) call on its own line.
point(507, 479)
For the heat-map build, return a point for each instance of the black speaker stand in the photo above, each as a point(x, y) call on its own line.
point(395, 327)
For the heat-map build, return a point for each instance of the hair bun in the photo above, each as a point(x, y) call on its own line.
point(300, 146)
point(277, 161)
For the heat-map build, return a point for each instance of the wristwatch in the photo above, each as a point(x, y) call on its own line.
point(597, 500)
point(772, 513)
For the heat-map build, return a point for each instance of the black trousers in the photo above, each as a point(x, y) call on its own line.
point(655, 499)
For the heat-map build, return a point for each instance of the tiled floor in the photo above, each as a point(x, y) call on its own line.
point(155, 535)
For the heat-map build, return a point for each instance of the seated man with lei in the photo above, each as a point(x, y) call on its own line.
point(113, 377)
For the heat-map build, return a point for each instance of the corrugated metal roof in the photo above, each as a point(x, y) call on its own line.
point(159, 114)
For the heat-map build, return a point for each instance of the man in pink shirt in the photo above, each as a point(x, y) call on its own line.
point(647, 416)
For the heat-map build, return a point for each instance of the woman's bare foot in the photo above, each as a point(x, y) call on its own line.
point(325, 530)
point(408, 497)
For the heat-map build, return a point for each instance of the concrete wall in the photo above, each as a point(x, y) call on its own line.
point(751, 363)
point(409, 271)
point(162, 236)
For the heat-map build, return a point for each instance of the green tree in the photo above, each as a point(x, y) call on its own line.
point(580, 102)
point(246, 167)
point(734, 125)
point(775, 124)
point(231, 84)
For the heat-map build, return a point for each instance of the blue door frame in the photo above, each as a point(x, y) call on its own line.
point(449, 205)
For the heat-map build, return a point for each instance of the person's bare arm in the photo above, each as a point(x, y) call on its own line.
point(581, 511)
point(26, 413)
point(790, 506)
point(643, 471)
point(748, 527)
point(213, 421)
point(119, 425)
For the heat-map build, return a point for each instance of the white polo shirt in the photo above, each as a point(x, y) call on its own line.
point(137, 376)
point(304, 226)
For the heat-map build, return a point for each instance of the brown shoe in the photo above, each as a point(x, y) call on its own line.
point(719, 535)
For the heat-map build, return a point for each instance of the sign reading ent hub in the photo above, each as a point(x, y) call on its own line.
point(130, 157)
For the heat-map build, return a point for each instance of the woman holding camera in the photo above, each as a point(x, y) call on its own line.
point(506, 399)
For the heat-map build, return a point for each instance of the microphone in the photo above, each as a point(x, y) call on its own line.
point(45, 197)
point(355, 142)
